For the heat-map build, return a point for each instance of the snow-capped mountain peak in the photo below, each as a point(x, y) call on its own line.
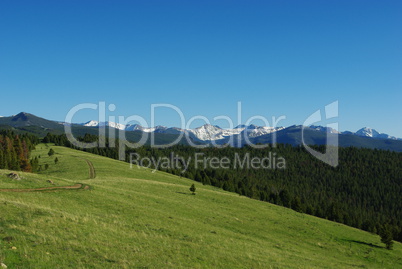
point(207, 132)
point(368, 132)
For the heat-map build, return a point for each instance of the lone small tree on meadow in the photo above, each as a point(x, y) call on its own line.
point(192, 189)
point(56, 160)
point(51, 152)
point(46, 166)
point(386, 237)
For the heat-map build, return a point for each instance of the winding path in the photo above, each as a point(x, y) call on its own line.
point(77, 186)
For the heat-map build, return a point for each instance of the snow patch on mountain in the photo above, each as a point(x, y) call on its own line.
point(137, 127)
point(115, 125)
point(210, 132)
point(255, 131)
point(128, 127)
point(324, 129)
point(91, 123)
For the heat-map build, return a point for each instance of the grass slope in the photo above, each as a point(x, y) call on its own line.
point(132, 218)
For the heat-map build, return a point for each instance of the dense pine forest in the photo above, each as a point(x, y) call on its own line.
point(363, 191)
point(15, 150)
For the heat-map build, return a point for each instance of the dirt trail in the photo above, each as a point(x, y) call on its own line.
point(49, 189)
point(92, 173)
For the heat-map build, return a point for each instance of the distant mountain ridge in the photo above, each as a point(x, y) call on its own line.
point(209, 132)
point(237, 136)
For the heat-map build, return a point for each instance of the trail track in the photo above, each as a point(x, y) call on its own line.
point(92, 173)
point(77, 186)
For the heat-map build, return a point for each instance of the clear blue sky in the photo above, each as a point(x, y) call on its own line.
point(276, 57)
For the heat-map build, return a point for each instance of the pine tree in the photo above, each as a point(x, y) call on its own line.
point(297, 205)
point(386, 237)
point(35, 164)
point(192, 189)
point(51, 152)
point(26, 165)
point(285, 198)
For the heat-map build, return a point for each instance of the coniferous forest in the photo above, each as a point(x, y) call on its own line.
point(15, 149)
point(363, 191)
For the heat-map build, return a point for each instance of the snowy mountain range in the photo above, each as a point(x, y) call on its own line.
point(206, 132)
point(238, 136)
point(210, 132)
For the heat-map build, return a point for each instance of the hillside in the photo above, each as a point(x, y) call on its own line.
point(132, 218)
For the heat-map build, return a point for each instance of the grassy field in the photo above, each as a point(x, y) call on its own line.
point(133, 218)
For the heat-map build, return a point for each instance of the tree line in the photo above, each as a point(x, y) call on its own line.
point(15, 150)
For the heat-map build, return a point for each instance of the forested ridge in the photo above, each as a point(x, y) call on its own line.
point(364, 191)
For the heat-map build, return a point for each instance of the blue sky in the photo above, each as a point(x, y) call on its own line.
point(276, 57)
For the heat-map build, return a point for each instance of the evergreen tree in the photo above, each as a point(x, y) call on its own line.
point(192, 189)
point(297, 205)
point(285, 198)
point(51, 152)
point(386, 237)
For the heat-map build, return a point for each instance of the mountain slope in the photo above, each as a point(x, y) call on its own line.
point(26, 122)
point(135, 218)
point(24, 119)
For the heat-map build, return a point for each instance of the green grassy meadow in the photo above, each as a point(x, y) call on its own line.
point(133, 218)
